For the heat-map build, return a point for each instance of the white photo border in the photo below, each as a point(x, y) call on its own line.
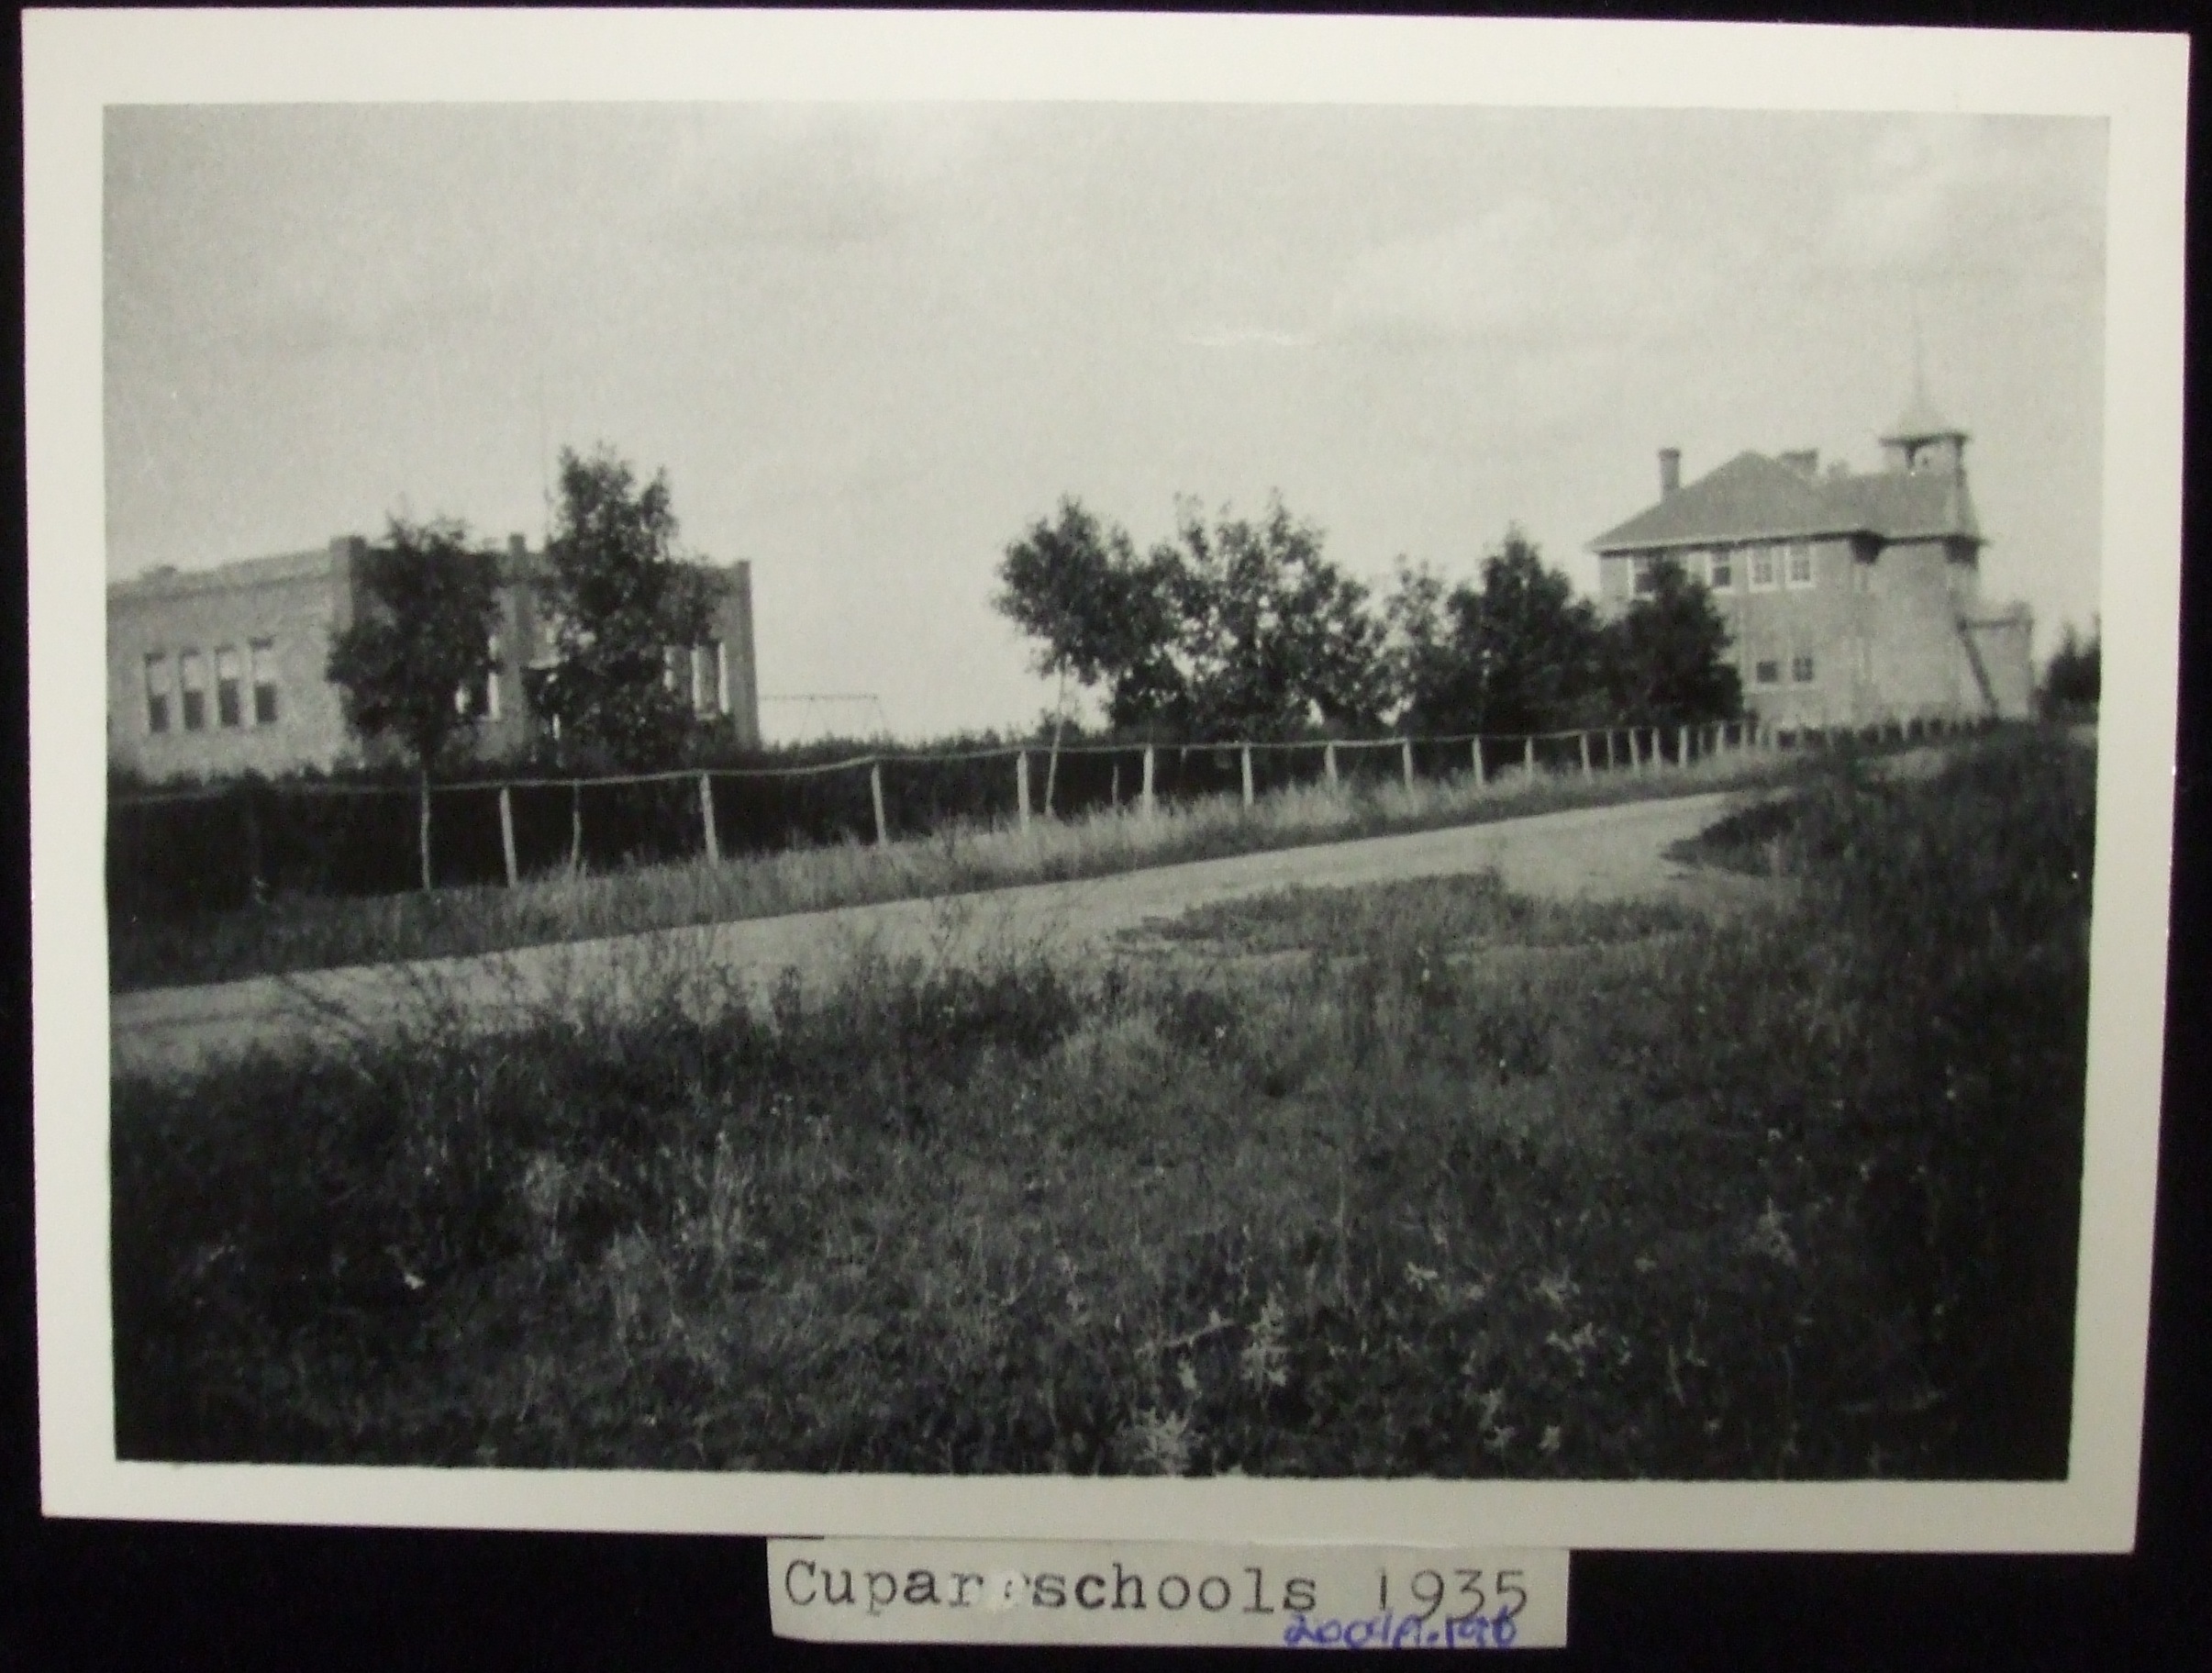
point(74, 65)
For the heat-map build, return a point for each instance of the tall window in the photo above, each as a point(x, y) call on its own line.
point(1763, 569)
point(192, 680)
point(718, 671)
point(1767, 672)
point(1800, 560)
point(229, 704)
point(260, 660)
point(157, 692)
point(483, 699)
point(1723, 572)
point(1641, 579)
point(1801, 670)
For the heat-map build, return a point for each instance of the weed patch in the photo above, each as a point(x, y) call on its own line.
point(1792, 1193)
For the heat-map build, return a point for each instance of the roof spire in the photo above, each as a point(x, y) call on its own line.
point(1921, 401)
point(1921, 421)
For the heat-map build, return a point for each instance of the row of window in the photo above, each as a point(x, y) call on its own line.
point(177, 688)
point(1764, 567)
point(1767, 670)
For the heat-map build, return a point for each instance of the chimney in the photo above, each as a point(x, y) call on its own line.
point(347, 549)
point(518, 547)
point(1806, 461)
point(1670, 470)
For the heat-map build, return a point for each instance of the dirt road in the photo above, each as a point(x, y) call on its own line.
point(1607, 852)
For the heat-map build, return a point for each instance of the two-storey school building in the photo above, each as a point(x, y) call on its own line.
point(1849, 597)
point(223, 671)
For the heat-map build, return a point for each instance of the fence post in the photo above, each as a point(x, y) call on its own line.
point(875, 795)
point(1682, 746)
point(1608, 749)
point(1021, 784)
point(1245, 765)
point(1148, 781)
point(1329, 762)
point(1528, 757)
point(1635, 760)
point(575, 825)
point(1583, 741)
point(1475, 749)
point(506, 836)
point(1406, 760)
point(706, 818)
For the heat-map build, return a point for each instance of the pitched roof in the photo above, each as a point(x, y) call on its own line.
point(1755, 497)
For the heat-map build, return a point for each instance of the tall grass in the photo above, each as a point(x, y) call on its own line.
point(309, 932)
point(1414, 1180)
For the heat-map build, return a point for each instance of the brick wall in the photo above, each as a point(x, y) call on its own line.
point(1877, 630)
point(292, 603)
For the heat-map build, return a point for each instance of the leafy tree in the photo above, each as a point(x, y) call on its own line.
point(1235, 628)
point(2073, 679)
point(1273, 634)
point(1101, 615)
point(1666, 656)
point(1515, 651)
point(620, 597)
point(419, 642)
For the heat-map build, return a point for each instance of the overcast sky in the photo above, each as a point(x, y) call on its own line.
point(871, 344)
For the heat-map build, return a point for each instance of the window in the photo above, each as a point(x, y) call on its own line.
point(1767, 672)
point(1800, 572)
point(1641, 579)
point(229, 710)
point(1801, 670)
point(192, 678)
point(1723, 572)
point(668, 666)
point(718, 673)
point(480, 700)
point(1763, 568)
point(261, 659)
point(157, 692)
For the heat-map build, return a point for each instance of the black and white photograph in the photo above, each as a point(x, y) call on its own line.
point(1300, 789)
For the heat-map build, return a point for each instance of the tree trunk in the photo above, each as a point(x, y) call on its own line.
point(422, 822)
point(1060, 719)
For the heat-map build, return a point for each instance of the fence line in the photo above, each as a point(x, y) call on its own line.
point(1489, 759)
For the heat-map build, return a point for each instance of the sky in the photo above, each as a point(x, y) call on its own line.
point(871, 344)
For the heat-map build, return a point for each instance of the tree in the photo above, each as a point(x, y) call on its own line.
point(1101, 615)
point(1236, 628)
point(1517, 653)
point(2074, 676)
point(1666, 656)
point(419, 644)
point(619, 597)
point(1273, 634)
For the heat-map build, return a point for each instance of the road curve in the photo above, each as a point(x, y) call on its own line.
point(1613, 852)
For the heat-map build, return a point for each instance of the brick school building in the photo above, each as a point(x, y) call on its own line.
point(217, 672)
point(1852, 598)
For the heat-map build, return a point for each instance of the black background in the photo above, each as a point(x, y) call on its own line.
point(78, 1594)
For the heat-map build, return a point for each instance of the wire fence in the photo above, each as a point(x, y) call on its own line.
point(217, 847)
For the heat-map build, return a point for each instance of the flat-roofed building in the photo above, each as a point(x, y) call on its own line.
point(222, 671)
point(1851, 597)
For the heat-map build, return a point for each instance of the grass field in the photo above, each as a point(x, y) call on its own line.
point(1419, 1179)
point(317, 932)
